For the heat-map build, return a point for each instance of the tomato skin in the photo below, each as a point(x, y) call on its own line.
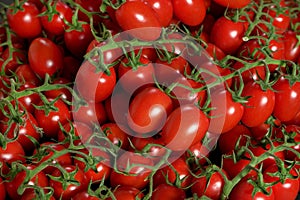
point(57, 25)
point(233, 169)
point(2, 190)
point(185, 126)
point(163, 10)
point(233, 3)
point(30, 196)
point(25, 23)
point(84, 195)
point(135, 15)
point(286, 190)
point(191, 13)
point(25, 74)
point(90, 6)
point(286, 96)
point(116, 134)
point(211, 186)
point(40, 180)
point(231, 39)
point(64, 93)
point(26, 102)
point(100, 84)
point(255, 73)
point(243, 190)
point(13, 152)
point(149, 110)
point(259, 100)
point(18, 56)
point(228, 140)
point(138, 175)
point(45, 57)
point(292, 50)
point(49, 122)
point(77, 41)
point(127, 193)
point(71, 189)
point(227, 116)
point(165, 191)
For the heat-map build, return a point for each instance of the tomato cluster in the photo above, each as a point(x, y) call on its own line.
point(150, 99)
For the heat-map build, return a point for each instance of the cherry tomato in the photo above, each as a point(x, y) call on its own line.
point(100, 84)
point(70, 188)
point(127, 193)
point(139, 19)
point(191, 13)
point(286, 96)
point(25, 22)
point(163, 10)
point(77, 41)
point(63, 93)
point(155, 151)
point(2, 190)
point(138, 175)
point(233, 3)
point(234, 168)
point(50, 121)
point(149, 110)
point(13, 152)
point(91, 6)
point(291, 47)
point(18, 56)
point(226, 113)
point(116, 134)
point(84, 195)
point(282, 190)
point(259, 100)
point(26, 75)
point(55, 23)
point(232, 35)
point(165, 191)
point(185, 126)
point(256, 73)
point(26, 102)
point(45, 57)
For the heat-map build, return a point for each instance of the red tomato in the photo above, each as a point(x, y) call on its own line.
point(39, 180)
point(244, 189)
point(291, 47)
point(288, 189)
point(286, 96)
point(232, 35)
point(226, 113)
point(256, 73)
point(149, 110)
point(55, 23)
point(233, 3)
point(22, 131)
point(185, 126)
point(49, 122)
point(116, 134)
point(45, 57)
point(228, 140)
point(163, 10)
point(137, 175)
point(259, 100)
point(126, 193)
point(293, 129)
point(133, 77)
point(30, 196)
point(27, 102)
point(234, 168)
point(2, 190)
point(168, 173)
point(91, 6)
point(84, 195)
point(13, 152)
point(25, 22)
point(155, 151)
point(70, 189)
point(165, 191)
point(210, 184)
point(100, 84)
point(18, 56)
point(198, 151)
point(191, 13)
point(26, 75)
point(139, 19)
point(64, 93)
point(71, 67)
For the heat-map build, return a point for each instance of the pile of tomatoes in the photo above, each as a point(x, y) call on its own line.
point(150, 99)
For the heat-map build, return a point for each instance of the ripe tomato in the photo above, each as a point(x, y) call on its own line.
point(77, 41)
point(18, 57)
point(45, 57)
point(13, 152)
point(116, 134)
point(91, 6)
point(185, 126)
point(49, 122)
point(149, 110)
point(259, 100)
point(163, 10)
point(64, 93)
point(256, 73)
point(282, 190)
point(165, 191)
point(99, 84)
point(233, 3)
point(210, 184)
point(226, 113)
point(55, 23)
point(26, 75)
point(25, 22)
point(126, 193)
point(155, 152)
point(244, 189)
point(69, 189)
point(2, 190)
point(23, 131)
point(26, 102)
point(291, 47)
point(168, 174)
point(39, 180)
point(232, 35)
point(228, 140)
point(234, 168)
point(137, 175)
point(286, 96)
point(139, 19)
point(191, 13)
point(84, 195)
point(199, 152)
point(30, 196)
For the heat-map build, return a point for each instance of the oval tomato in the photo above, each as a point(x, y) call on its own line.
point(163, 10)
point(13, 152)
point(233, 3)
point(127, 193)
point(165, 191)
point(2, 190)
